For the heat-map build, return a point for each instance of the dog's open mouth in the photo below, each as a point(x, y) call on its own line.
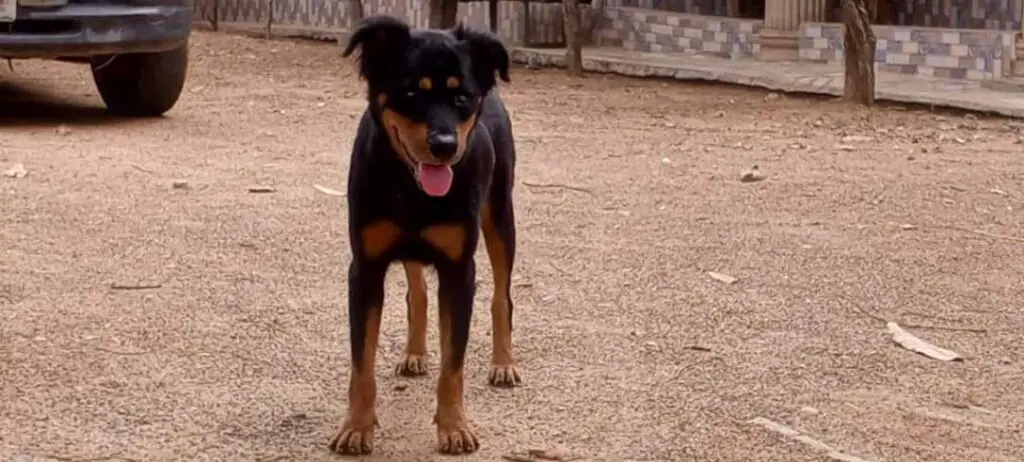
point(435, 179)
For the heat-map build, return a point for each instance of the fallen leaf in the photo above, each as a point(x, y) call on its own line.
point(722, 277)
point(179, 184)
point(329, 191)
point(908, 341)
point(16, 171)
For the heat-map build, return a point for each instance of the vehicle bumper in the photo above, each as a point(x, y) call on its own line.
point(83, 30)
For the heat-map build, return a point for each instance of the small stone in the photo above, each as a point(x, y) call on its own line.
point(908, 227)
point(751, 175)
point(16, 171)
point(771, 97)
point(63, 130)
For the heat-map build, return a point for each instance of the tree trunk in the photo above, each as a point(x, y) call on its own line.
point(443, 13)
point(573, 42)
point(355, 12)
point(859, 54)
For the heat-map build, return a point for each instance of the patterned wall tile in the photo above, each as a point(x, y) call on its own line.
point(961, 54)
point(642, 30)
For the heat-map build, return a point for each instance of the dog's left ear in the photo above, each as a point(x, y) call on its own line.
point(487, 56)
point(382, 41)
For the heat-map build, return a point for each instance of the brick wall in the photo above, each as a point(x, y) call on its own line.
point(641, 29)
point(950, 53)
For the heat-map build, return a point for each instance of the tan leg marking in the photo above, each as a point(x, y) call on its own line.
point(356, 433)
point(415, 361)
point(503, 363)
point(453, 433)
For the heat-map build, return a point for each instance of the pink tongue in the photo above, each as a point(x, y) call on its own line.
point(435, 180)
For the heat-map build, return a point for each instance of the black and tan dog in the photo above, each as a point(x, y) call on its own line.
point(432, 166)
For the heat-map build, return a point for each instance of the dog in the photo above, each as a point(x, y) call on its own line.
point(432, 168)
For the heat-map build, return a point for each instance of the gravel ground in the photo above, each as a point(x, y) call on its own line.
point(629, 194)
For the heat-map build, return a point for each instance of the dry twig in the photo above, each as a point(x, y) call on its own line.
point(117, 286)
point(89, 459)
point(121, 353)
point(975, 330)
point(988, 234)
point(558, 186)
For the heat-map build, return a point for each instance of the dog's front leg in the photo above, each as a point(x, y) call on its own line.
point(365, 302)
point(457, 285)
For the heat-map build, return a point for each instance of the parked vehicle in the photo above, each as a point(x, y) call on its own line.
point(137, 49)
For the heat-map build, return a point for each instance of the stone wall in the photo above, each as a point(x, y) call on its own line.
point(641, 29)
point(948, 53)
point(546, 19)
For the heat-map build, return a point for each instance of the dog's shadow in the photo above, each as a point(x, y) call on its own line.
point(30, 105)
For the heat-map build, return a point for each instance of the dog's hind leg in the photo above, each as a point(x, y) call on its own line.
point(497, 222)
point(415, 361)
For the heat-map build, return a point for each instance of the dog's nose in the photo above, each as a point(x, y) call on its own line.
point(443, 145)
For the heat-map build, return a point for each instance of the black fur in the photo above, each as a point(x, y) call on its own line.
point(381, 182)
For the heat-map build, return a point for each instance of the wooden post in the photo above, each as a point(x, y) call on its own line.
point(573, 44)
point(859, 54)
point(270, 17)
point(732, 8)
point(355, 12)
point(443, 13)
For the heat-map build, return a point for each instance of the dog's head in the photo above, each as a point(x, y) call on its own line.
point(426, 88)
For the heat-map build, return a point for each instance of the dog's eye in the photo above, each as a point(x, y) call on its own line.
point(462, 100)
point(410, 94)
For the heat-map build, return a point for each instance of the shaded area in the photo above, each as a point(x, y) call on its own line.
point(24, 103)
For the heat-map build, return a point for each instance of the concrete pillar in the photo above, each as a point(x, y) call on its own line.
point(782, 20)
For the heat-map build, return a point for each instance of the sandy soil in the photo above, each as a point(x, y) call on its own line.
point(629, 195)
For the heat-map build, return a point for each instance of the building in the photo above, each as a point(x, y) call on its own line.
point(958, 39)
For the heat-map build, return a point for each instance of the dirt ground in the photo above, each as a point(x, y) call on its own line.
point(628, 196)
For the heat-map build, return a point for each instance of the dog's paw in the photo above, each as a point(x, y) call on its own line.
point(412, 366)
point(353, 439)
point(456, 438)
point(504, 376)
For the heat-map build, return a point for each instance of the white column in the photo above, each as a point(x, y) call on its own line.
point(782, 20)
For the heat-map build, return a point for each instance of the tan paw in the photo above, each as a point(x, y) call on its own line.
point(412, 366)
point(353, 439)
point(504, 376)
point(456, 438)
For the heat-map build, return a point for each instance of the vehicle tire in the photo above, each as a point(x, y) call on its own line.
point(141, 84)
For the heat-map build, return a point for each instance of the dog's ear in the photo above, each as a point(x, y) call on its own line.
point(382, 40)
point(487, 55)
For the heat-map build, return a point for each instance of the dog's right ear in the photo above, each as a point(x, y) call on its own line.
point(382, 40)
